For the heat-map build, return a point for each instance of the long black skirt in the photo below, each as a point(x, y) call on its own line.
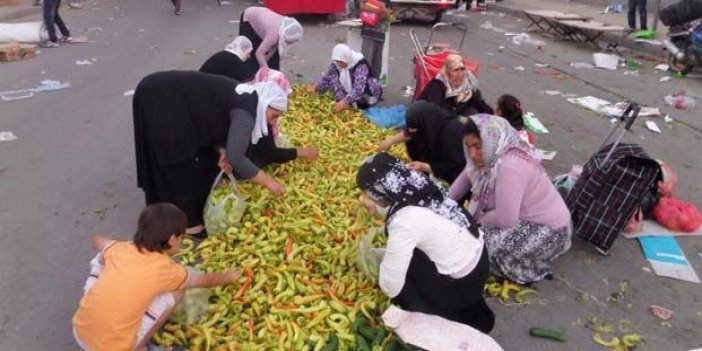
point(185, 184)
point(459, 300)
point(246, 30)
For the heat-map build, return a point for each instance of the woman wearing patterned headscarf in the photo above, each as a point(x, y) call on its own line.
point(230, 61)
point(270, 33)
point(186, 124)
point(435, 261)
point(455, 89)
point(525, 221)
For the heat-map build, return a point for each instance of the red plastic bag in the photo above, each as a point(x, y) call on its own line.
point(371, 19)
point(677, 215)
point(666, 187)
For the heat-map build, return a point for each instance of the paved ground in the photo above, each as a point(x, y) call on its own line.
point(74, 161)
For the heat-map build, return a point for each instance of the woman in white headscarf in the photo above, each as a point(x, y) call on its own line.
point(230, 62)
point(270, 33)
point(350, 78)
point(213, 123)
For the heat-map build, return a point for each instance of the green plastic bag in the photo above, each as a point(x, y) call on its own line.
point(224, 206)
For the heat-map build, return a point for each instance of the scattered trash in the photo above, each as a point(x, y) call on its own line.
point(519, 68)
point(533, 124)
point(631, 73)
point(545, 154)
point(665, 79)
point(646, 269)
point(190, 52)
point(668, 119)
point(606, 108)
point(551, 92)
point(110, 18)
point(660, 312)
point(581, 65)
point(409, 91)
point(605, 61)
point(141, 31)
point(490, 54)
point(128, 93)
point(569, 96)
point(680, 101)
point(632, 65)
point(645, 34)
point(52, 85)
point(541, 65)
point(662, 67)
point(7, 136)
point(487, 25)
point(13, 95)
point(649, 42)
point(523, 38)
point(233, 21)
point(618, 8)
point(667, 258)
point(500, 48)
point(16, 52)
point(83, 62)
point(652, 126)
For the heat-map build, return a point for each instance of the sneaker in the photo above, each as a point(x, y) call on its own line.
point(50, 44)
point(67, 39)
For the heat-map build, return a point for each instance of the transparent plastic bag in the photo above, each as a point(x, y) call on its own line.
point(194, 305)
point(367, 260)
point(283, 141)
point(564, 182)
point(224, 207)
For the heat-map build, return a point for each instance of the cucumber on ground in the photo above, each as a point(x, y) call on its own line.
point(367, 331)
point(547, 334)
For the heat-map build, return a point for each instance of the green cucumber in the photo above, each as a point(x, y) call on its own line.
point(361, 343)
point(548, 334)
point(379, 336)
point(333, 344)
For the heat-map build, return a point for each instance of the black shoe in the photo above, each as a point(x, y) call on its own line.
point(198, 237)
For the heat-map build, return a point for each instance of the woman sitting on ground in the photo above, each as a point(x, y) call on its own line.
point(510, 109)
point(230, 62)
point(525, 221)
point(349, 77)
point(456, 89)
point(435, 261)
point(433, 139)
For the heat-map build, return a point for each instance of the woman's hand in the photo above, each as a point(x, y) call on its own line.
point(369, 204)
point(275, 188)
point(223, 162)
point(232, 276)
point(420, 166)
point(310, 153)
point(386, 144)
point(341, 105)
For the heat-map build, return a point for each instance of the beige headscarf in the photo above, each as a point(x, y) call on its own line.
point(464, 91)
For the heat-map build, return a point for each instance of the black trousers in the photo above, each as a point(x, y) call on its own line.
point(52, 19)
point(643, 13)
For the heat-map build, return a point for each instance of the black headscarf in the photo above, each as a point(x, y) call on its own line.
point(389, 180)
point(429, 120)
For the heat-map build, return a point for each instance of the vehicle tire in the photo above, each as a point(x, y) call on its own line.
point(681, 67)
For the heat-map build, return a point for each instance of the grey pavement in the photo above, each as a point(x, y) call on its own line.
point(74, 160)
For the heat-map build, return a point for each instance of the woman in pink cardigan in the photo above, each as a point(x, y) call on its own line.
point(525, 221)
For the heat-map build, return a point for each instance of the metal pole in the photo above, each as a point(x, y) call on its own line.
point(655, 15)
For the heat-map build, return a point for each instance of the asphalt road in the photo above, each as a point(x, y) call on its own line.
point(71, 173)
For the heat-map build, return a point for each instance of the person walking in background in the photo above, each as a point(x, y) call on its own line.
point(374, 36)
point(643, 13)
point(270, 34)
point(52, 19)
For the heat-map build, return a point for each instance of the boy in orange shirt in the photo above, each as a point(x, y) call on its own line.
point(134, 286)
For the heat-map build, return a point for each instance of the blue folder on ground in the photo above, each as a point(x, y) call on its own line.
point(387, 117)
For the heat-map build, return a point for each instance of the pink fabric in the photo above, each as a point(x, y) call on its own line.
point(522, 192)
point(266, 24)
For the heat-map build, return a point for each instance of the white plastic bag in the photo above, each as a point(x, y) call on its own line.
point(224, 207)
point(436, 333)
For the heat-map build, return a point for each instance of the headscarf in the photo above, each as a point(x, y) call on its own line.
point(271, 75)
point(290, 31)
point(498, 139)
point(241, 46)
point(389, 180)
point(269, 95)
point(429, 120)
point(344, 53)
point(463, 92)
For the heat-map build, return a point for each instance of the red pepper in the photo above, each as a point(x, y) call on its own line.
point(247, 283)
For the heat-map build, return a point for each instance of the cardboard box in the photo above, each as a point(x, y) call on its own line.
point(16, 52)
